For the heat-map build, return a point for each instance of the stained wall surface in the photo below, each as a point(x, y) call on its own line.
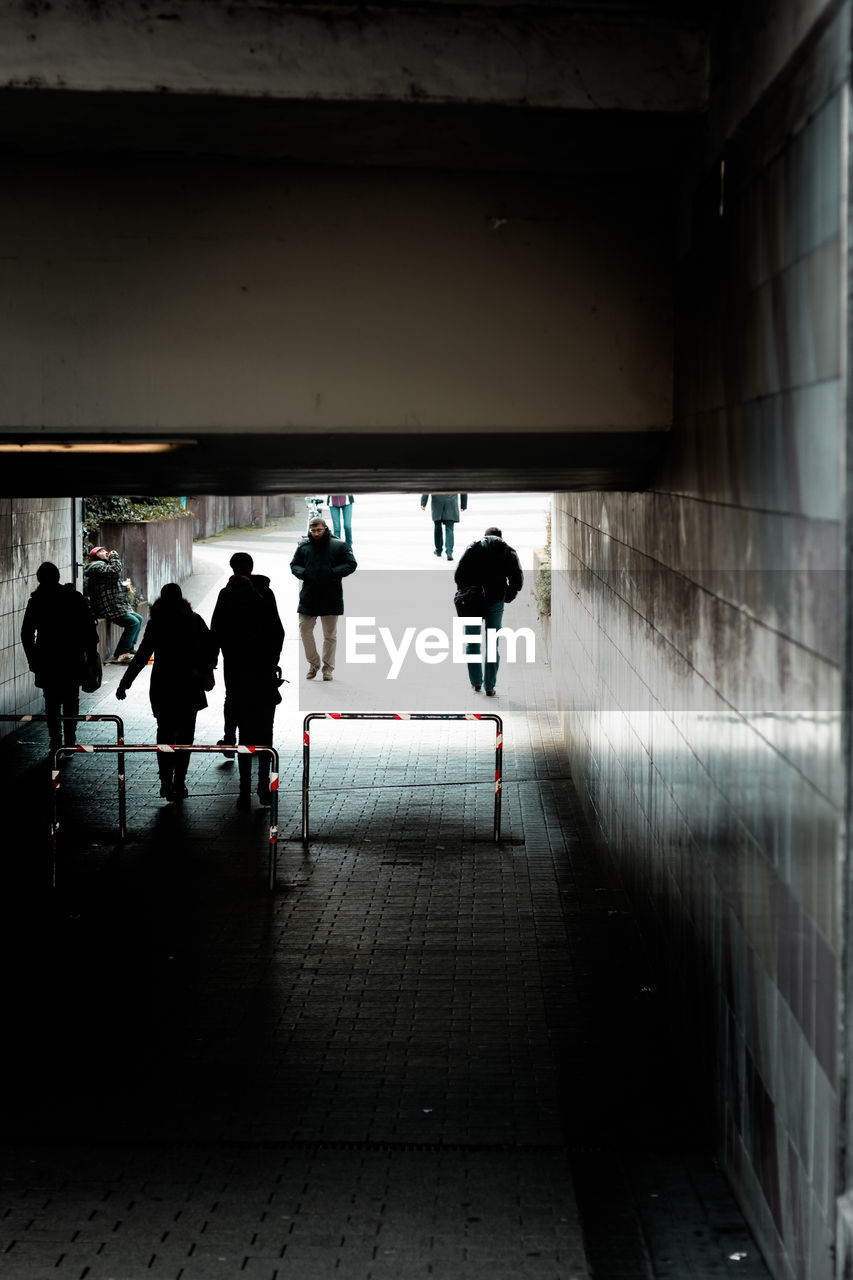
point(32, 530)
point(697, 628)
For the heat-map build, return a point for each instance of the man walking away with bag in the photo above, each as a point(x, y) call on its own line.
point(321, 562)
point(247, 629)
point(108, 598)
point(59, 639)
point(493, 565)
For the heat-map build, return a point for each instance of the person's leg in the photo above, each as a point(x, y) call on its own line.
point(474, 642)
point(229, 723)
point(184, 734)
point(449, 527)
point(131, 625)
point(245, 729)
point(335, 513)
point(437, 536)
point(330, 642)
point(70, 707)
point(264, 738)
point(347, 514)
point(53, 710)
point(493, 620)
point(306, 635)
point(166, 759)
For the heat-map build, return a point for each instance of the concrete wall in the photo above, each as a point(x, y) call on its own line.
point(32, 530)
point(697, 633)
point(216, 297)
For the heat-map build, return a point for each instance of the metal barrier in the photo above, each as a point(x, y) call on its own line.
point(167, 748)
point(119, 724)
point(401, 715)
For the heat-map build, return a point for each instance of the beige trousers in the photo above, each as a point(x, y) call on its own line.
point(330, 639)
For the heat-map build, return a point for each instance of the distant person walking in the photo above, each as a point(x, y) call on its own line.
point(184, 658)
point(493, 565)
point(59, 638)
point(340, 509)
point(107, 590)
point(321, 562)
point(247, 629)
point(444, 509)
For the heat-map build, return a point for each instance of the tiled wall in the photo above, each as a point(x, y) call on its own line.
point(32, 530)
point(696, 635)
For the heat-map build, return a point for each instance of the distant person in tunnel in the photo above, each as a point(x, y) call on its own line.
point(107, 590)
point(59, 637)
point(184, 657)
point(321, 563)
point(493, 565)
point(444, 509)
point(340, 509)
point(246, 627)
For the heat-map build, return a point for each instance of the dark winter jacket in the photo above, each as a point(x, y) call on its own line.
point(57, 634)
point(493, 564)
point(247, 628)
point(445, 506)
point(184, 655)
point(322, 566)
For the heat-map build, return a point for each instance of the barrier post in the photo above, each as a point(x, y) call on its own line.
point(119, 724)
point(120, 749)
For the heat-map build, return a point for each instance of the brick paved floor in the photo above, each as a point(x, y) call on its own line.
point(424, 1054)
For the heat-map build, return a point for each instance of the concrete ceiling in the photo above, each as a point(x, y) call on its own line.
point(568, 88)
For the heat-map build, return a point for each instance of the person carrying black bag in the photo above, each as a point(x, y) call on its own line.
point(60, 639)
point(492, 568)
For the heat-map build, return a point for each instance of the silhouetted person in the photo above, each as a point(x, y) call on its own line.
point(493, 565)
point(321, 563)
point(59, 636)
point(184, 658)
point(444, 509)
point(247, 628)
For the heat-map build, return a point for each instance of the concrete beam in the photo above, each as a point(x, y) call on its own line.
point(540, 56)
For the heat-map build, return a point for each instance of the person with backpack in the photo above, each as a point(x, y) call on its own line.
point(247, 629)
point(493, 565)
point(184, 657)
point(59, 639)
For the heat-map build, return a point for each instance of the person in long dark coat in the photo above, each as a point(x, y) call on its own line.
point(247, 628)
point(59, 636)
point(321, 562)
point(184, 658)
point(444, 509)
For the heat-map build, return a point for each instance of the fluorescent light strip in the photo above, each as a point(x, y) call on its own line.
point(94, 446)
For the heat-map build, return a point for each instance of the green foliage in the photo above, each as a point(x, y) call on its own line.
point(102, 510)
point(543, 590)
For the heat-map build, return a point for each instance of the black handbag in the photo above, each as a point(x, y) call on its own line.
point(91, 673)
point(470, 602)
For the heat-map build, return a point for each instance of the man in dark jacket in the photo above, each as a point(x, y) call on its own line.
point(321, 562)
point(493, 565)
point(247, 628)
point(58, 636)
